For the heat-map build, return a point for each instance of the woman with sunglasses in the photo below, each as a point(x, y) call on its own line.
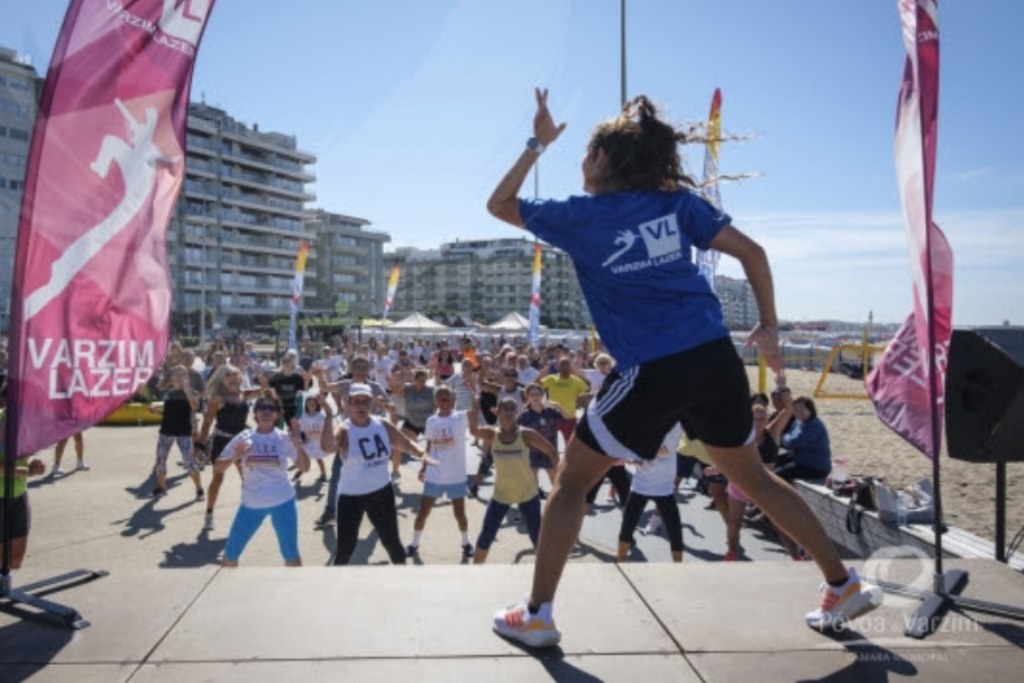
point(366, 444)
point(265, 453)
point(227, 405)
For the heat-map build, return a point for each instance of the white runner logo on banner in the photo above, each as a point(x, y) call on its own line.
point(138, 163)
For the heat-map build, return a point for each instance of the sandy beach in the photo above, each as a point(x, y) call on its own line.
point(872, 449)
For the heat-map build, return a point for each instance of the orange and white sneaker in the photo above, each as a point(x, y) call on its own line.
point(534, 630)
point(839, 605)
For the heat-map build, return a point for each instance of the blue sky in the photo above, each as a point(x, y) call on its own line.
point(415, 108)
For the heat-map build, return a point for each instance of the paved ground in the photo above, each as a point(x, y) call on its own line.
point(701, 621)
point(107, 512)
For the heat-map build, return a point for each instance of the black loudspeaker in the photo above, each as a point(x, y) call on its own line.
point(985, 395)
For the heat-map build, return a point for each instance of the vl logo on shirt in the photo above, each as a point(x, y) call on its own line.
point(661, 239)
point(661, 236)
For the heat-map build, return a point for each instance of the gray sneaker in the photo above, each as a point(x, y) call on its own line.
point(208, 522)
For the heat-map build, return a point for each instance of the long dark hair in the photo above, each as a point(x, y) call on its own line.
point(642, 149)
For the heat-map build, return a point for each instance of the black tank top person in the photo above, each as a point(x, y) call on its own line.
point(177, 417)
point(231, 419)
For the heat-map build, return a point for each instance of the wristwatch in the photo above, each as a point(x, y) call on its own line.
point(535, 145)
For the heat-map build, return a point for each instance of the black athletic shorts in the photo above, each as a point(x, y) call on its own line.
point(705, 389)
point(21, 515)
point(415, 429)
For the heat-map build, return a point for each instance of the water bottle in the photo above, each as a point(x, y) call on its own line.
point(902, 507)
point(839, 474)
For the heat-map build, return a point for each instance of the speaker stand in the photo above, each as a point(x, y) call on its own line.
point(947, 586)
point(11, 597)
point(927, 618)
point(1001, 511)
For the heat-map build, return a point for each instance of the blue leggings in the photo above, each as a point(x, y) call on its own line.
point(284, 517)
point(496, 511)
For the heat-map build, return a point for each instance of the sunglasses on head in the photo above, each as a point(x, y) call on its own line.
point(270, 407)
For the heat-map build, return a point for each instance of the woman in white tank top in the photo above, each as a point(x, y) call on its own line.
point(366, 443)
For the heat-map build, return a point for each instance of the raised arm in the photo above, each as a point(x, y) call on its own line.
point(402, 442)
point(504, 201)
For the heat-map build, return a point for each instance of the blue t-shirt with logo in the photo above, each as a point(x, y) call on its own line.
point(633, 255)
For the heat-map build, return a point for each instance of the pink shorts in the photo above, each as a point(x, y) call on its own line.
point(737, 493)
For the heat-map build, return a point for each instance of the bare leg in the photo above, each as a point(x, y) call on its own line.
point(58, 452)
point(18, 547)
point(79, 447)
point(783, 505)
point(426, 505)
point(211, 496)
point(733, 522)
point(581, 468)
point(622, 553)
point(459, 510)
point(720, 499)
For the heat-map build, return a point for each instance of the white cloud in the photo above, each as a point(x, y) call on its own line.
point(842, 265)
point(972, 174)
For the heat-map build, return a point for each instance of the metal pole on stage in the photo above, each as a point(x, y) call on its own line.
point(10, 597)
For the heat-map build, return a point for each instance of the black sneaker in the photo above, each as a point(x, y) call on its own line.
point(159, 491)
point(467, 550)
point(323, 520)
point(412, 551)
point(200, 494)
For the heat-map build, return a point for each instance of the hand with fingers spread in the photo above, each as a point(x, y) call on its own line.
point(544, 128)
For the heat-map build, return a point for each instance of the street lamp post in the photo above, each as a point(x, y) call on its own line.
point(622, 48)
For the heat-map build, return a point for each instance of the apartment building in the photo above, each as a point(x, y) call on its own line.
point(349, 264)
point(19, 85)
point(739, 307)
point(238, 224)
point(483, 280)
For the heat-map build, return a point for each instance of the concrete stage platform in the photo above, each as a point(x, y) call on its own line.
point(637, 622)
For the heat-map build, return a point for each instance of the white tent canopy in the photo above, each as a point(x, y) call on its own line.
point(419, 323)
point(512, 322)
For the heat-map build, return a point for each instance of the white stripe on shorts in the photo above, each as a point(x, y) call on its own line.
point(598, 408)
point(617, 391)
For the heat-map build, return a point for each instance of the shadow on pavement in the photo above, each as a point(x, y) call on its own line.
point(203, 552)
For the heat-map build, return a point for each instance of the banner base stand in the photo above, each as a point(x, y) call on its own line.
point(31, 595)
point(927, 618)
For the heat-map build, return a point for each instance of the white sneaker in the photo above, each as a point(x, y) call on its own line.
point(82, 467)
point(839, 605)
point(653, 524)
point(534, 630)
point(208, 522)
point(56, 471)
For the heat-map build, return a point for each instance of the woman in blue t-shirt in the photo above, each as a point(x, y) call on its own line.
point(631, 240)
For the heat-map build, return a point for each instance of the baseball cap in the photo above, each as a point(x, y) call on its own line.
point(360, 389)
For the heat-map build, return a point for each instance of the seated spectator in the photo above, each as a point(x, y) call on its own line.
point(806, 442)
